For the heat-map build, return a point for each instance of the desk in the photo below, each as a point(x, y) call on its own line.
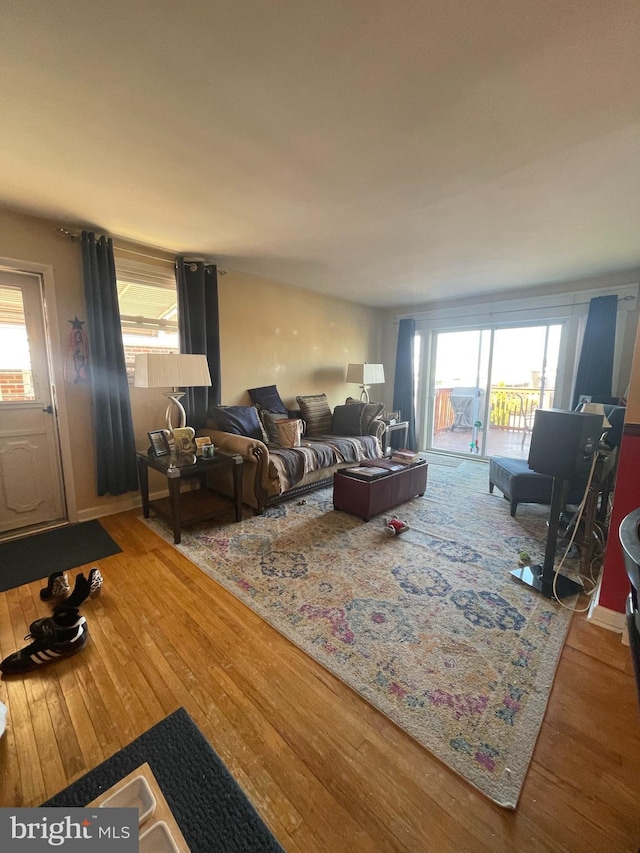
point(187, 507)
point(402, 426)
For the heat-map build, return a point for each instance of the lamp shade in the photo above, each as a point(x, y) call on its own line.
point(365, 374)
point(171, 370)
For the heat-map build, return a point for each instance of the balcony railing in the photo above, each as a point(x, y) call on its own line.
point(510, 408)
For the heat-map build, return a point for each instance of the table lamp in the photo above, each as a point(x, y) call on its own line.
point(172, 370)
point(365, 375)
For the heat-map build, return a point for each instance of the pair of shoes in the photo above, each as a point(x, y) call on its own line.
point(58, 587)
point(54, 637)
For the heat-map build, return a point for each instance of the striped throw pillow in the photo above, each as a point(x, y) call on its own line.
point(316, 413)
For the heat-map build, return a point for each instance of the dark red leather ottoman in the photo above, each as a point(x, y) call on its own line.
point(367, 498)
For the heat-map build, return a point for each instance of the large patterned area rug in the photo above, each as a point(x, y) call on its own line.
point(429, 626)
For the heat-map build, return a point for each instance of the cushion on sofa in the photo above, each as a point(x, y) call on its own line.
point(370, 413)
point(315, 413)
point(267, 399)
point(347, 420)
point(289, 432)
point(270, 419)
point(239, 420)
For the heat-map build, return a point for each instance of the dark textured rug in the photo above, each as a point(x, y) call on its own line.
point(210, 808)
point(37, 556)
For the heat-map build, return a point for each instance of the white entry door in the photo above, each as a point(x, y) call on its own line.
point(31, 490)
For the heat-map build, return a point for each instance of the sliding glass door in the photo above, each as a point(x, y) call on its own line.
point(486, 385)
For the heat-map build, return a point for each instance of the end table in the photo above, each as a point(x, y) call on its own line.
point(398, 426)
point(182, 508)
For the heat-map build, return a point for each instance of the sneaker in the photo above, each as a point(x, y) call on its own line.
point(64, 618)
point(52, 643)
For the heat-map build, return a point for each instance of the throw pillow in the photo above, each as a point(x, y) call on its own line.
point(239, 420)
point(347, 420)
point(316, 413)
point(270, 421)
point(371, 411)
point(289, 432)
point(268, 399)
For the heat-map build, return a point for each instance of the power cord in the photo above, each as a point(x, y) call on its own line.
point(591, 580)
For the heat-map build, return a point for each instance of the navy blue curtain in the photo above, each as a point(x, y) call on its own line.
point(113, 427)
point(595, 368)
point(199, 331)
point(403, 393)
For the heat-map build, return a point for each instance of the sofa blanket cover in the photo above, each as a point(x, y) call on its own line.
point(294, 463)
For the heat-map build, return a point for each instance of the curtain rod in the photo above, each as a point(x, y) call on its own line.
point(514, 310)
point(65, 232)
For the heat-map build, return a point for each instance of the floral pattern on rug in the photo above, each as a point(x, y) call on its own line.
point(429, 626)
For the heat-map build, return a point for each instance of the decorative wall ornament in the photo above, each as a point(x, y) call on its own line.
point(77, 360)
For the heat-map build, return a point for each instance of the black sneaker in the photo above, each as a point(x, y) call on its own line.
point(64, 618)
point(52, 643)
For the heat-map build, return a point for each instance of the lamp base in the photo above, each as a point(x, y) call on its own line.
point(534, 577)
point(175, 405)
point(364, 393)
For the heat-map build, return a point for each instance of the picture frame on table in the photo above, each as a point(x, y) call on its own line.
point(159, 444)
point(184, 438)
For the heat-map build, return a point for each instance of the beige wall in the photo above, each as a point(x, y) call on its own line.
point(271, 333)
point(301, 341)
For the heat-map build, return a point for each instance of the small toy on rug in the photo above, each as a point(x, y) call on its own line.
point(523, 558)
point(394, 527)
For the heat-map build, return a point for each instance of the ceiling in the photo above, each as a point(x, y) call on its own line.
point(387, 152)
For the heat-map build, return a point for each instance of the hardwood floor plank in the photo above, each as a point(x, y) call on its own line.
point(325, 769)
point(74, 759)
point(90, 749)
point(53, 771)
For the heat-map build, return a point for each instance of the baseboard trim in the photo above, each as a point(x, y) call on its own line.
point(601, 616)
point(122, 504)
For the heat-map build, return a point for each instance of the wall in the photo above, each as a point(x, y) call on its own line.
point(270, 333)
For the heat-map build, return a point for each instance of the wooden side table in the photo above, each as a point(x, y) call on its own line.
point(400, 425)
point(183, 508)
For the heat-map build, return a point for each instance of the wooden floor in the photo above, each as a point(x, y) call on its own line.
point(324, 769)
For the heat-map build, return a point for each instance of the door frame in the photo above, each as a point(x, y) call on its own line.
point(55, 355)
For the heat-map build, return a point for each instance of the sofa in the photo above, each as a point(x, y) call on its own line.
point(275, 471)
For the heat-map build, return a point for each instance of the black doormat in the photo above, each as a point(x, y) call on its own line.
point(209, 807)
point(37, 556)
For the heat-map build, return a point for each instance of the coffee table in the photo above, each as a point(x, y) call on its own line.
point(367, 498)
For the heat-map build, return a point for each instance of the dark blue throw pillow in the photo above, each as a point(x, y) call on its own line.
point(268, 399)
point(347, 420)
point(239, 420)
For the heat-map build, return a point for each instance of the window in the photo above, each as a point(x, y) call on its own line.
point(16, 381)
point(148, 307)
